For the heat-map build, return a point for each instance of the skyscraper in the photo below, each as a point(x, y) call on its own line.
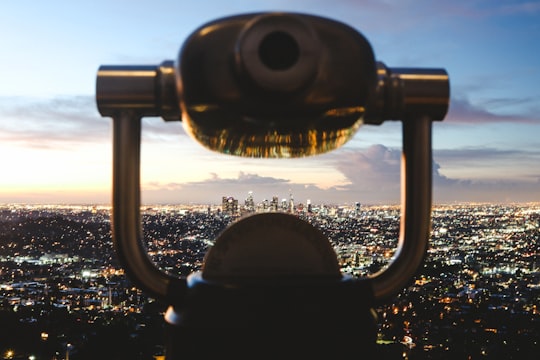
point(249, 203)
point(291, 202)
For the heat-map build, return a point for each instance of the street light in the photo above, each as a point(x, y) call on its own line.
point(9, 354)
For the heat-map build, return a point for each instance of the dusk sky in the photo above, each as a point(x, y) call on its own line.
point(56, 148)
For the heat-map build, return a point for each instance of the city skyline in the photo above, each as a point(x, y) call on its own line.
point(56, 148)
point(476, 295)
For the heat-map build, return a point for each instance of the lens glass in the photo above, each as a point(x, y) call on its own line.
point(279, 51)
point(288, 137)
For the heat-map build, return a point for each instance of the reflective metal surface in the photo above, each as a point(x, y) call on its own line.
point(403, 93)
point(323, 90)
point(416, 169)
point(126, 218)
point(275, 85)
point(145, 90)
point(270, 248)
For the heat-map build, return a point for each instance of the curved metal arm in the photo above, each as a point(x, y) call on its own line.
point(128, 93)
point(415, 224)
point(126, 222)
point(415, 211)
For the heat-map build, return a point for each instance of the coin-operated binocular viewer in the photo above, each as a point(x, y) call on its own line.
point(272, 85)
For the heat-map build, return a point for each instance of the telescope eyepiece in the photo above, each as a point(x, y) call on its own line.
point(275, 84)
point(278, 53)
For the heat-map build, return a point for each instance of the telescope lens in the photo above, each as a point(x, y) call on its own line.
point(279, 51)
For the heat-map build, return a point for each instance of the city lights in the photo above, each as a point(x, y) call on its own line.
point(480, 278)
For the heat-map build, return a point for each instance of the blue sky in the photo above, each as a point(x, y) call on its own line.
point(56, 148)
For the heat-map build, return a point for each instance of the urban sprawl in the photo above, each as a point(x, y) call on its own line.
point(64, 295)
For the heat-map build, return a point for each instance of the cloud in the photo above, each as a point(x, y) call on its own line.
point(372, 177)
point(242, 179)
point(47, 123)
point(159, 130)
point(375, 169)
point(494, 191)
point(467, 154)
point(215, 180)
point(463, 111)
point(64, 121)
point(374, 174)
point(214, 187)
point(490, 164)
point(496, 186)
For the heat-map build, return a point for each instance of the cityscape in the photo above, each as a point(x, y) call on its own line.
point(63, 294)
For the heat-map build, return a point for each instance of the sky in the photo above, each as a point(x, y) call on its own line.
point(56, 148)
